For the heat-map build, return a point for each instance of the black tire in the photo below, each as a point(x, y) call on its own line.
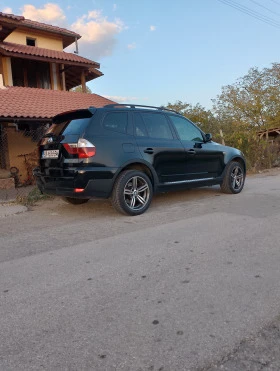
point(75, 201)
point(132, 193)
point(234, 178)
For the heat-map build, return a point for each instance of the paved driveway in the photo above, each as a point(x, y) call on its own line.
point(177, 288)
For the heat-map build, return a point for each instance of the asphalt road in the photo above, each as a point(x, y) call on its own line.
point(192, 284)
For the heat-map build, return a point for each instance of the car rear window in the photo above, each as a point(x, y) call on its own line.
point(70, 127)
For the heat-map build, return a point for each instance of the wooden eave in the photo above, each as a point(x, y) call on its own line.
point(73, 76)
point(6, 29)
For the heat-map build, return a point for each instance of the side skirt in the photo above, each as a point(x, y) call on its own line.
point(188, 184)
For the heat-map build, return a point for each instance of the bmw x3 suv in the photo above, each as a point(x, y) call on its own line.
point(128, 153)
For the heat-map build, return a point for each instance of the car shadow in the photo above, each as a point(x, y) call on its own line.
point(160, 203)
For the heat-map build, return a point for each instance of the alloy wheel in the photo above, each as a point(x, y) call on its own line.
point(136, 193)
point(237, 178)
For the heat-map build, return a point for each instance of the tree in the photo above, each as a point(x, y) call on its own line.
point(197, 114)
point(79, 89)
point(253, 101)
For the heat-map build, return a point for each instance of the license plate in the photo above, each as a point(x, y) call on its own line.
point(50, 153)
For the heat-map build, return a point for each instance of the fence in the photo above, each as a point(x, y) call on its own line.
point(18, 158)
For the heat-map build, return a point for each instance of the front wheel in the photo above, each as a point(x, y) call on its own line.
point(75, 201)
point(132, 193)
point(234, 178)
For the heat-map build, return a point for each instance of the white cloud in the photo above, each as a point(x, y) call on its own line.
point(152, 28)
point(7, 10)
point(114, 7)
point(120, 99)
point(93, 14)
point(98, 34)
point(50, 13)
point(131, 46)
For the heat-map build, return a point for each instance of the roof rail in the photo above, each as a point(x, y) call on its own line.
point(139, 105)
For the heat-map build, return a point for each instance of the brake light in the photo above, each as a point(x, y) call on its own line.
point(78, 190)
point(84, 149)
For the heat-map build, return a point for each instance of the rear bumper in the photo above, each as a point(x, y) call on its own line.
point(88, 183)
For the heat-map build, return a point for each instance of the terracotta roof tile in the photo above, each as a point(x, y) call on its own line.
point(39, 26)
point(47, 53)
point(24, 103)
point(12, 16)
point(48, 27)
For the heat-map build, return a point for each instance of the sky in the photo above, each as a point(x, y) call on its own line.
point(157, 51)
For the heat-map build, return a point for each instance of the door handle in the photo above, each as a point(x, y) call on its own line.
point(191, 152)
point(150, 151)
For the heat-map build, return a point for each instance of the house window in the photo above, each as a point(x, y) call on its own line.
point(33, 74)
point(30, 41)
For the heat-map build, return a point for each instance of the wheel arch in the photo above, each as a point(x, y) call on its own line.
point(240, 160)
point(141, 166)
point(236, 158)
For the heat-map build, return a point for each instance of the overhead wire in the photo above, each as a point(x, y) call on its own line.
point(275, 2)
point(264, 7)
point(252, 13)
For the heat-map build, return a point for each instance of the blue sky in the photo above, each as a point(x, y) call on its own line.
point(153, 52)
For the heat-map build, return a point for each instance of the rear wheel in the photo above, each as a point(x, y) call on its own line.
point(132, 193)
point(234, 178)
point(75, 201)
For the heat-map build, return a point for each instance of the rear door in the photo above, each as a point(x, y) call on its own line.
point(159, 146)
point(203, 161)
point(55, 160)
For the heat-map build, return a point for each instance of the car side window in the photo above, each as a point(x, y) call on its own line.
point(156, 125)
point(139, 127)
point(186, 130)
point(116, 121)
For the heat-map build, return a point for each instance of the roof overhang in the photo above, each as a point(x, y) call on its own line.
point(6, 28)
point(45, 55)
point(45, 59)
point(12, 22)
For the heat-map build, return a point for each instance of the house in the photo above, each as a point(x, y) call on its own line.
point(36, 75)
point(270, 135)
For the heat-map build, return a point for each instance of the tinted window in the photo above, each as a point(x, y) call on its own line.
point(140, 130)
point(157, 125)
point(70, 127)
point(186, 130)
point(116, 121)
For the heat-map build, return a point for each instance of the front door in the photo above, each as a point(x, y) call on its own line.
point(203, 161)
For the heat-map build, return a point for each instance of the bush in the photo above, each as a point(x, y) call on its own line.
point(33, 196)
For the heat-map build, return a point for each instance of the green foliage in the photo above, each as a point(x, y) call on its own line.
point(252, 100)
point(33, 196)
point(79, 89)
point(241, 110)
point(197, 114)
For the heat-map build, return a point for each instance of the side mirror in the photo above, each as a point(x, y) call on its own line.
point(208, 137)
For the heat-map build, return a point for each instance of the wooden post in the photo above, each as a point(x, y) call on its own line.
point(4, 147)
point(25, 78)
point(63, 78)
point(83, 82)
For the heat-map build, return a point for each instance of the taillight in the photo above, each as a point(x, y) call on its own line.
point(84, 149)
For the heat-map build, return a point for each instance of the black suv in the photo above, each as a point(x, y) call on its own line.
point(129, 152)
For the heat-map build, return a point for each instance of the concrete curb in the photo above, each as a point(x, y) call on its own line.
point(8, 209)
